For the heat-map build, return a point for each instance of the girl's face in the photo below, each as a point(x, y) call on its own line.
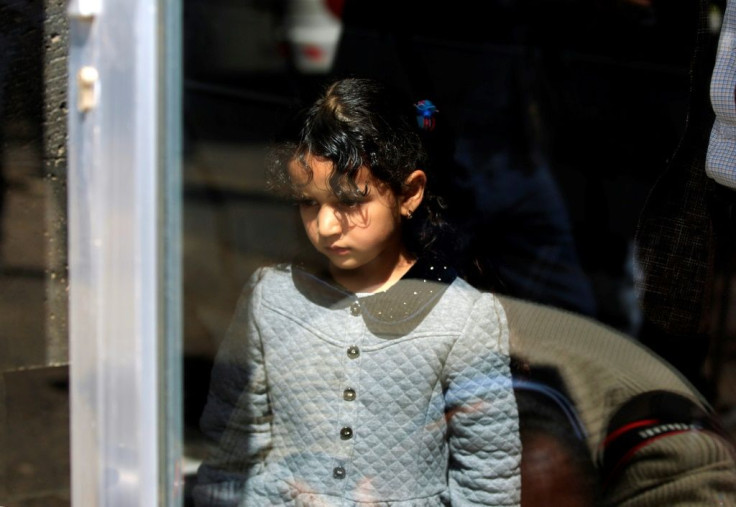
point(361, 239)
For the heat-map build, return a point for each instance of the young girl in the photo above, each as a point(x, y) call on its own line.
point(382, 379)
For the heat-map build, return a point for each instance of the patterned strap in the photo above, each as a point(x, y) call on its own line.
point(644, 419)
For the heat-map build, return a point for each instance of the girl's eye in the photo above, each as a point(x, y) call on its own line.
point(349, 204)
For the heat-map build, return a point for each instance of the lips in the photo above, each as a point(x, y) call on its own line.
point(337, 250)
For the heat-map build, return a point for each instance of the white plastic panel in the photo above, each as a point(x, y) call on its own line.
point(123, 255)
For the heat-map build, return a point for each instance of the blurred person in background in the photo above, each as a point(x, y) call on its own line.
point(604, 421)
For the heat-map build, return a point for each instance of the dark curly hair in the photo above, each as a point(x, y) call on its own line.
point(360, 122)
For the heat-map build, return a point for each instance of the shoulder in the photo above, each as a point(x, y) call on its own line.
point(462, 295)
point(477, 312)
point(461, 292)
point(265, 280)
point(292, 287)
point(269, 275)
point(482, 331)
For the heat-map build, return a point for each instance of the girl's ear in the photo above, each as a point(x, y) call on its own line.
point(413, 192)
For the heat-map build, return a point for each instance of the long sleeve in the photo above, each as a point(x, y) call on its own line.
point(237, 415)
point(484, 442)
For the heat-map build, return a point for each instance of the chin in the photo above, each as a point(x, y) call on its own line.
point(345, 264)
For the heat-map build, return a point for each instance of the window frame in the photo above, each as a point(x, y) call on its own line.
point(124, 189)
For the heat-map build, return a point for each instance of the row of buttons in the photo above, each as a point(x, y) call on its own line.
point(348, 394)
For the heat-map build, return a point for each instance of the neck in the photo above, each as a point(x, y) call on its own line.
point(369, 279)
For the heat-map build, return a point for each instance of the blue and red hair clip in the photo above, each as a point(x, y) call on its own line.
point(426, 115)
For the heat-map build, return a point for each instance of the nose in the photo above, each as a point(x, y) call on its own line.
point(328, 222)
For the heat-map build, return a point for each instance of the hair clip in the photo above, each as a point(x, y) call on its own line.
point(426, 111)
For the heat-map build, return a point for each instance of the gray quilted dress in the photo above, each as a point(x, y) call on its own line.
point(320, 397)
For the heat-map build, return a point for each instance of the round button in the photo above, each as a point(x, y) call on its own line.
point(338, 473)
point(355, 308)
point(353, 352)
point(348, 394)
point(346, 433)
